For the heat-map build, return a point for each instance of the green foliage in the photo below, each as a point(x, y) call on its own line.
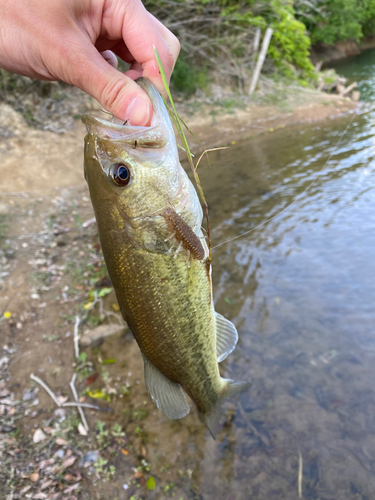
point(217, 38)
point(187, 78)
point(290, 45)
point(151, 484)
point(331, 21)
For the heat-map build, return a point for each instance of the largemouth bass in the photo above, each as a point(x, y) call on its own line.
point(149, 220)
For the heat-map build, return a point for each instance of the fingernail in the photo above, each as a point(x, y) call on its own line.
point(139, 112)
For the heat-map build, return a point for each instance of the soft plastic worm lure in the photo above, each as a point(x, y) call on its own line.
point(183, 233)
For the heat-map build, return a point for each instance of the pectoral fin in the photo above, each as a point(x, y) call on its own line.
point(226, 337)
point(167, 395)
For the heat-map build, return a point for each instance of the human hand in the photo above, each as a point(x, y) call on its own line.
point(64, 39)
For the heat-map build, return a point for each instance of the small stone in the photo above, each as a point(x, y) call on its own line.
point(29, 394)
point(39, 436)
point(11, 119)
point(60, 414)
point(90, 458)
point(59, 453)
point(96, 335)
point(4, 361)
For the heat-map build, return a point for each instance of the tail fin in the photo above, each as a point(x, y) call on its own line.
point(231, 388)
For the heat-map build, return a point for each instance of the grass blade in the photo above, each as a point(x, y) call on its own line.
point(178, 123)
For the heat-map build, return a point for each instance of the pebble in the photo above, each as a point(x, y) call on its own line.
point(39, 436)
point(29, 394)
point(90, 458)
point(96, 335)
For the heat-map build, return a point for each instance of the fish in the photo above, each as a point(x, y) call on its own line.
point(150, 227)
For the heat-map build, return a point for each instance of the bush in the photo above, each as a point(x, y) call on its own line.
point(332, 21)
point(186, 78)
point(218, 35)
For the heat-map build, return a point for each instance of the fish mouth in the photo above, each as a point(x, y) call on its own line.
point(157, 135)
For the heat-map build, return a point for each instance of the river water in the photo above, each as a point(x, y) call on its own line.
point(301, 291)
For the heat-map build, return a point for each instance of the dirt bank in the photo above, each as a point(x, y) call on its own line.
point(342, 50)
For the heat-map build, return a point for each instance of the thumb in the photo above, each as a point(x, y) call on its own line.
point(116, 92)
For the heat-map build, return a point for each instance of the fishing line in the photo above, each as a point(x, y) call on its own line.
point(298, 198)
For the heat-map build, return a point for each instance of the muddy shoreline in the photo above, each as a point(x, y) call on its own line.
point(342, 50)
point(298, 106)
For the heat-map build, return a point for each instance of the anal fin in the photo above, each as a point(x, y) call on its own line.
point(167, 395)
point(226, 337)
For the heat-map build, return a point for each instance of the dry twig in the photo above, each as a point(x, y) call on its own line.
point(67, 403)
point(300, 471)
point(76, 336)
point(83, 418)
point(46, 388)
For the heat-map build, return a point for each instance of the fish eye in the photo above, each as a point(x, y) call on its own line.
point(120, 174)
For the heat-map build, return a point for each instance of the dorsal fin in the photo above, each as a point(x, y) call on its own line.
point(226, 337)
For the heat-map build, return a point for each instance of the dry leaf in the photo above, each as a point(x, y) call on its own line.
point(62, 399)
point(49, 430)
point(61, 442)
point(72, 488)
point(40, 496)
point(53, 496)
point(68, 463)
point(45, 484)
point(46, 463)
point(25, 490)
point(82, 430)
point(73, 478)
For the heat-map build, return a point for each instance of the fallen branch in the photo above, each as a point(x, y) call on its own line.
point(83, 418)
point(86, 405)
point(76, 336)
point(46, 388)
point(342, 91)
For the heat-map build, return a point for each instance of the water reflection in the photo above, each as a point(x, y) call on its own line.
point(301, 291)
point(360, 69)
